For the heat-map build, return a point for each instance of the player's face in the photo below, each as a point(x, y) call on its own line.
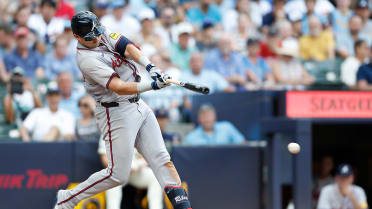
point(89, 44)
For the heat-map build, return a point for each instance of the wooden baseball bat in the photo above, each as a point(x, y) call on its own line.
point(190, 86)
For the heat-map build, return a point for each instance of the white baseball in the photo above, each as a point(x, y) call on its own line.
point(294, 148)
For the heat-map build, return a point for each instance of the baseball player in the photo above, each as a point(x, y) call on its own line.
point(107, 62)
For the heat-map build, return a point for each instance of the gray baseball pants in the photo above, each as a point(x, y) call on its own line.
point(124, 127)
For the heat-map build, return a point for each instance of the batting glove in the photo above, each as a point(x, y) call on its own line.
point(160, 82)
point(154, 71)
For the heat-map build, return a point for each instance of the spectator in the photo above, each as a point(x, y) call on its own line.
point(46, 24)
point(7, 41)
point(69, 97)
point(285, 29)
point(166, 27)
point(141, 176)
point(147, 34)
point(21, 98)
point(257, 69)
point(71, 41)
point(245, 30)
point(349, 67)
point(227, 62)
point(60, 61)
point(205, 10)
point(206, 40)
point(64, 9)
point(21, 16)
point(324, 176)
point(86, 127)
point(340, 17)
point(268, 48)
point(363, 10)
point(118, 17)
point(169, 138)
point(343, 193)
point(345, 41)
point(364, 76)
point(99, 8)
point(210, 132)
point(319, 44)
point(275, 15)
point(198, 74)
point(287, 70)
point(181, 52)
point(246, 7)
point(23, 56)
point(310, 6)
point(49, 123)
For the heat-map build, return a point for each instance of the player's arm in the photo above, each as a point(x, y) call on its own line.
point(127, 88)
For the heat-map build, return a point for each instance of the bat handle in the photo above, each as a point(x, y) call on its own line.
point(173, 82)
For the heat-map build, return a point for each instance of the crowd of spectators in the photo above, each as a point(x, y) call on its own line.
point(229, 45)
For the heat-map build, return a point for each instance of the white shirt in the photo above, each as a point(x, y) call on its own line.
point(53, 29)
point(40, 120)
point(331, 198)
point(349, 69)
point(127, 25)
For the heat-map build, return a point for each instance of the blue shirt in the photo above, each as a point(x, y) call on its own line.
point(71, 104)
point(232, 66)
point(196, 16)
point(224, 133)
point(180, 57)
point(365, 73)
point(345, 41)
point(260, 69)
point(55, 66)
point(340, 22)
point(29, 64)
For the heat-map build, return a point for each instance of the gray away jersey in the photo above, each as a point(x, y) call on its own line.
point(99, 65)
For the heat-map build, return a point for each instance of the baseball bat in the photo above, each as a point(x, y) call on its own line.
point(190, 86)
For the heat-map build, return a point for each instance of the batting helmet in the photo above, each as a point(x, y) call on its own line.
point(86, 25)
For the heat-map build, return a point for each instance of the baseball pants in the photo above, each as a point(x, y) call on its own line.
point(124, 127)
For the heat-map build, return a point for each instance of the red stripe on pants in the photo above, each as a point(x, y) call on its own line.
point(112, 161)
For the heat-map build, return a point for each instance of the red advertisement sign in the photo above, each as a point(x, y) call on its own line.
point(329, 104)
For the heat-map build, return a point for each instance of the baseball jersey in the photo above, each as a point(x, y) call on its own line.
point(101, 64)
point(331, 198)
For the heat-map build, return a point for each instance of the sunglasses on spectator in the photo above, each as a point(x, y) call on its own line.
point(85, 105)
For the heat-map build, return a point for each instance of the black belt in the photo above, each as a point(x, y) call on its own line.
point(116, 104)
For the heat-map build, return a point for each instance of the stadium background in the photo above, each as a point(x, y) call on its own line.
point(299, 91)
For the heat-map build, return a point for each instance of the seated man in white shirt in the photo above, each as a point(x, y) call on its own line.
point(343, 194)
point(141, 176)
point(208, 77)
point(48, 123)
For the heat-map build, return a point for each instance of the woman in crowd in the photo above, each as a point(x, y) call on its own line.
point(86, 127)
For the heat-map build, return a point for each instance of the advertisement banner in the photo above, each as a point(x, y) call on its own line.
point(328, 104)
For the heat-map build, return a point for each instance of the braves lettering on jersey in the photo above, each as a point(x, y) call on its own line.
point(100, 65)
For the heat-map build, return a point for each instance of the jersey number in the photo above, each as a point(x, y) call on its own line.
point(114, 35)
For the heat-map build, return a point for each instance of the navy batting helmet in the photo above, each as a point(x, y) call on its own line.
point(86, 25)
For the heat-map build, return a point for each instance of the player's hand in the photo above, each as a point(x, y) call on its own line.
point(155, 73)
point(161, 82)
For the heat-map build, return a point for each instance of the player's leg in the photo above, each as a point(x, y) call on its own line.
point(119, 135)
point(146, 179)
point(113, 197)
point(151, 145)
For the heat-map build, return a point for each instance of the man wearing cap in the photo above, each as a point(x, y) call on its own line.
point(181, 52)
point(28, 59)
point(120, 22)
point(46, 24)
point(363, 10)
point(48, 123)
point(343, 194)
point(99, 8)
point(206, 40)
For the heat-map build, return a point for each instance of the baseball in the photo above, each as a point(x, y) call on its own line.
point(294, 148)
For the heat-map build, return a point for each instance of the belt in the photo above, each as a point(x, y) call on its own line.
point(116, 104)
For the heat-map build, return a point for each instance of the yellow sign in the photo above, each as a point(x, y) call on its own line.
point(97, 201)
point(114, 35)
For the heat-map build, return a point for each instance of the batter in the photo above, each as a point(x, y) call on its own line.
point(107, 62)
